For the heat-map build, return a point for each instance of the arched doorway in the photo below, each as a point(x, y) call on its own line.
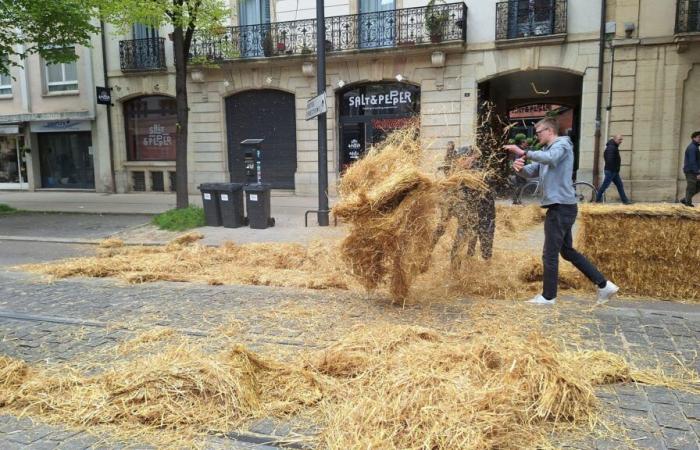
point(263, 114)
point(521, 98)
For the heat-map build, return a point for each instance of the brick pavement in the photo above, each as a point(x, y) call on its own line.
point(79, 319)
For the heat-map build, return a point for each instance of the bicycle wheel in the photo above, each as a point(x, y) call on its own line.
point(529, 193)
point(585, 192)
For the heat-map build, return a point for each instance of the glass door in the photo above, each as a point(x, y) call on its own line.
point(352, 143)
point(377, 23)
point(254, 19)
point(66, 160)
point(13, 167)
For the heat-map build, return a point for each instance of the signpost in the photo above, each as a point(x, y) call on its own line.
point(316, 106)
point(322, 132)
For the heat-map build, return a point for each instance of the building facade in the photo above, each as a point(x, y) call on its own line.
point(389, 62)
point(50, 127)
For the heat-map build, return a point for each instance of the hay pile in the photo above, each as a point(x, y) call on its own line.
point(648, 250)
point(391, 206)
point(383, 386)
point(315, 266)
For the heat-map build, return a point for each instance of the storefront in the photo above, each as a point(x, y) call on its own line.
point(13, 168)
point(368, 112)
point(65, 154)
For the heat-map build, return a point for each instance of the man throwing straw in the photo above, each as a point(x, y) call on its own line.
point(554, 166)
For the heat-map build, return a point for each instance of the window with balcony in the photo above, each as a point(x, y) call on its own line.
point(254, 20)
point(62, 76)
point(530, 18)
point(688, 16)
point(146, 51)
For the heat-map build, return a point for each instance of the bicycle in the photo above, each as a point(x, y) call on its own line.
point(531, 192)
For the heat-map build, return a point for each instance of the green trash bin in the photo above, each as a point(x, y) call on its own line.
point(231, 204)
point(210, 200)
point(257, 203)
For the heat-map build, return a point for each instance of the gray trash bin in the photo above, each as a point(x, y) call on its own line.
point(257, 203)
point(210, 200)
point(230, 196)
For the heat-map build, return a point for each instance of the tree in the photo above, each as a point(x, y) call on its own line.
point(185, 17)
point(49, 28)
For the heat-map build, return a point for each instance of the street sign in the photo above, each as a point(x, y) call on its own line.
point(316, 106)
point(104, 97)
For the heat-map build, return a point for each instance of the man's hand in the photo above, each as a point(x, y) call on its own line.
point(518, 164)
point(514, 149)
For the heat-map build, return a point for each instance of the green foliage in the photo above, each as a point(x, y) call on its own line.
point(7, 209)
point(49, 28)
point(204, 15)
point(180, 219)
point(436, 17)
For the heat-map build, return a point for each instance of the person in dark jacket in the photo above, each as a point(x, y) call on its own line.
point(612, 170)
point(691, 169)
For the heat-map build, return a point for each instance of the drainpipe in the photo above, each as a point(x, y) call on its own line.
point(109, 107)
point(599, 99)
point(608, 109)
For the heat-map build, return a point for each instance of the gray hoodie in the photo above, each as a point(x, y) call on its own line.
point(554, 165)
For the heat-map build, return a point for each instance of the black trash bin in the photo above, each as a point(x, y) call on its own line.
point(231, 204)
point(210, 200)
point(257, 203)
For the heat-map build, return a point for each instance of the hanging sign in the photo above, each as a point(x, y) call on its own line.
point(104, 96)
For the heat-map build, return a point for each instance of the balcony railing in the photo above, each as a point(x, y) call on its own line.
point(688, 16)
point(530, 18)
point(142, 54)
point(394, 28)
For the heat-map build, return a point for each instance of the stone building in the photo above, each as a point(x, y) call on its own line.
point(392, 60)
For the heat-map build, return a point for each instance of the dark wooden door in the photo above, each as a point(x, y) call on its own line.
point(263, 114)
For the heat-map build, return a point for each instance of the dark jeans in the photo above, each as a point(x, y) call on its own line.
point(484, 228)
point(691, 188)
point(613, 177)
point(558, 239)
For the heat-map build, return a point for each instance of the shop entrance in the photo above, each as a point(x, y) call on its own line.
point(66, 160)
point(522, 98)
point(369, 112)
point(13, 167)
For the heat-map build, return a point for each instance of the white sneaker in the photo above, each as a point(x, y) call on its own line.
point(539, 300)
point(606, 293)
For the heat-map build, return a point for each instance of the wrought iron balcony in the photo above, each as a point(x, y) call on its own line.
point(393, 28)
point(688, 16)
point(530, 18)
point(142, 54)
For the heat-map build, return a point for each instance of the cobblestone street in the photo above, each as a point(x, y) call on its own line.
point(81, 320)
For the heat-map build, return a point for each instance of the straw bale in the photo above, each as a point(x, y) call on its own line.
point(648, 250)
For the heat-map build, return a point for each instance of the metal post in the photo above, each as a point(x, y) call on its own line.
point(599, 98)
point(322, 132)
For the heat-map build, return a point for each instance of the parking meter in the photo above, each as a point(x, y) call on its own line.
point(252, 160)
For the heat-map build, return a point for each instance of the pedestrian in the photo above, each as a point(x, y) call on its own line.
point(691, 169)
point(612, 170)
point(554, 164)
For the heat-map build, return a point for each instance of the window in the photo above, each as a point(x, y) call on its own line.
point(5, 80)
point(151, 128)
point(62, 76)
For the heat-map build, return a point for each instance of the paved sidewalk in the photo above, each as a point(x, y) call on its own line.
point(107, 209)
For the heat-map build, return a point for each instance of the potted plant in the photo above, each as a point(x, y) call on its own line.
point(435, 19)
point(267, 44)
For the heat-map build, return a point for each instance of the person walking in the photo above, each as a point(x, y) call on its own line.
point(612, 170)
point(691, 169)
point(554, 164)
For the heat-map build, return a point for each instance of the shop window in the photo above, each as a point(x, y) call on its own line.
point(150, 128)
point(5, 80)
point(62, 76)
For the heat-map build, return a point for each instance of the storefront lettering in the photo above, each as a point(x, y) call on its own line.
point(392, 98)
point(157, 137)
